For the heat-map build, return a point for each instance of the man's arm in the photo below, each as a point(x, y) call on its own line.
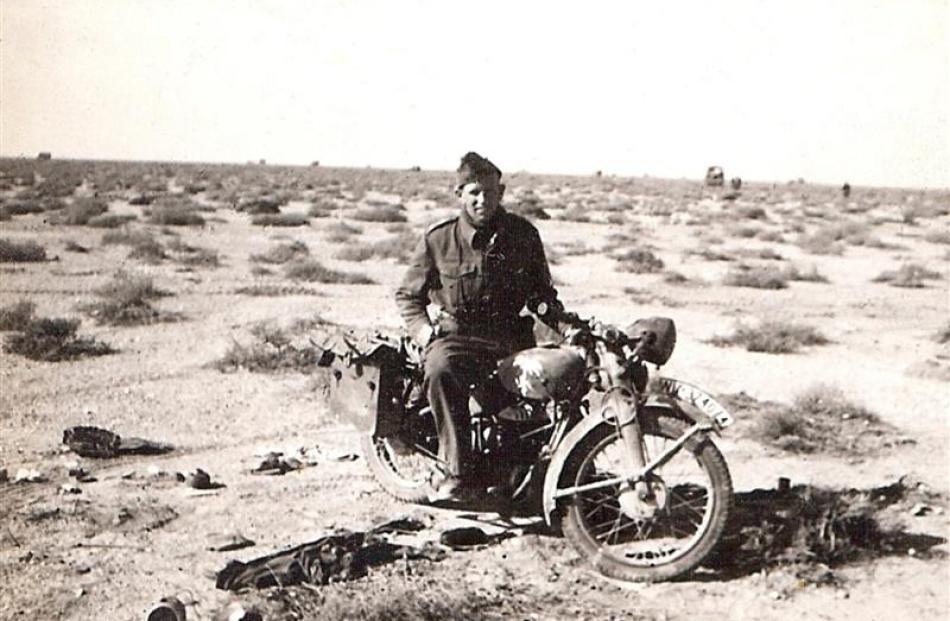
point(412, 296)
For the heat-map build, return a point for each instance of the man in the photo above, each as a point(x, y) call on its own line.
point(481, 267)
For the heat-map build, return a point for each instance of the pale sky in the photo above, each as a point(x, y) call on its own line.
point(826, 90)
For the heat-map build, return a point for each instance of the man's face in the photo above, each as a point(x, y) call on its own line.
point(480, 199)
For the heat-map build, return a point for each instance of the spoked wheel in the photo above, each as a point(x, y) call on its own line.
point(403, 463)
point(658, 538)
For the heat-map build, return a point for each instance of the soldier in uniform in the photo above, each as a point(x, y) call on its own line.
point(480, 267)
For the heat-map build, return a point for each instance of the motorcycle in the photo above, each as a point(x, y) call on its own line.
point(623, 463)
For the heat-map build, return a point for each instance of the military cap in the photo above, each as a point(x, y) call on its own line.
point(474, 166)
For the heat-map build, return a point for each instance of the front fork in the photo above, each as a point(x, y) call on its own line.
point(622, 407)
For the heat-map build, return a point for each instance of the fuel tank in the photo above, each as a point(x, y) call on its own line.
point(543, 372)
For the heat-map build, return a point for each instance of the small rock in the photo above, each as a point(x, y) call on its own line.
point(227, 542)
point(79, 592)
point(911, 552)
point(123, 516)
point(464, 537)
point(920, 509)
point(198, 479)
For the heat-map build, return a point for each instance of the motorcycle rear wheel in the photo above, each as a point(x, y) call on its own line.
point(696, 491)
point(402, 464)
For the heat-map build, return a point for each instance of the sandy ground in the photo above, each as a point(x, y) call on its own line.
point(130, 538)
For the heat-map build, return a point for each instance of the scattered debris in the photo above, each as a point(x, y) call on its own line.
point(463, 538)
point(69, 488)
point(199, 479)
point(344, 555)
point(277, 464)
point(28, 475)
point(226, 542)
point(920, 509)
point(101, 443)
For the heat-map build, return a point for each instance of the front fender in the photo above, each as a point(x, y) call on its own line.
point(666, 397)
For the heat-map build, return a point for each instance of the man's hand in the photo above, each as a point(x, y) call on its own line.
point(424, 335)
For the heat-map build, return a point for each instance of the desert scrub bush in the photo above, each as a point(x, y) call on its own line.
point(125, 302)
point(743, 231)
point(380, 213)
point(283, 253)
point(281, 219)
point(821, 419)
point(260, 205)
point(638, 261)
point(832, 239)
point(321, 209)
point(79, 212)
point(72, 246)
point(23, 207)
point(193, 256)
point(54, 340)
point(943, 334)
point(271, 350)
point(675, 278)
point(575, 213)
point(21, 252)
point(273, 291)
point(341, 231)
point(751, 212)
point(175, 211)
point(110, 220)
point(772, 337)
point(311, 270)
point(756, 277)
point(811, 274)
point(909, 275)
point(398, 247)
point(16, 316)
point(938, 237)
point(710, 254)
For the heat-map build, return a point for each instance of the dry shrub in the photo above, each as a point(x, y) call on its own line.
point(321, 209)
point(943, 335)
point(910, 275)
point(72, 246)
point(341, 231)
point(744, 231)
point(150, 251)
point(21, 252)
point(710, 254)
point(576, 213)
point(831, 240)
point(193, 256)
point(821, 420)
point(638, 261)
point(283, 253)
point(175, 211)
point(275, 290)
point(125, 301)
point(281, 219)
point(110, 220)
point(938, 237)
point(311, 270)
point(126, 237)
point(266, 204)
point(271, 350)
point(54, 340)
point(17, 316)
point(380, 213)
point(393, 598)
point(756, 277)
point(751, 212)
point(675, 278)
point(80, 212)
point(398, 247)
point(810, 275)
point(22, 208)
point(772, 337)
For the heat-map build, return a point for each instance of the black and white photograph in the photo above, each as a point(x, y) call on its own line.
point(474, 310)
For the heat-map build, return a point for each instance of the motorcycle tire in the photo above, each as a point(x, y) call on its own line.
point(400, 470)
point(582, 530)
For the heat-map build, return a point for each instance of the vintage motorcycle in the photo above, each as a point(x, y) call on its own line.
point(623, 463)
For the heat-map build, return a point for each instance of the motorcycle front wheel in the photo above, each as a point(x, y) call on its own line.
point(402, 463)
point(692, 497)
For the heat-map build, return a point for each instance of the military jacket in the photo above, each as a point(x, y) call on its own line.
point(481, 278)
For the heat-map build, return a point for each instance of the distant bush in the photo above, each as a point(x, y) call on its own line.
point(675, 278)
point(638, 261)
point(576, 213)
point(275, 290)
point(109, 220)
point(745, 231)
point(811, 275)
point(281, 219)
point(79, 212)
point(943, 335)
point(149, 251)
point(311, 270)
point(17, 316)
point(398, 247)
point(126, 237)
point(53, 340)
point(21, 208)
point(756, 277)
point(910, 275)
point(341, 231)
point(772, 337)
point(831, 239)
point(751, 212)
point(266, 204)
point(711, 254)
point(175, 211)
point(21, 252)
point(938, 237)
point(270, 351)
point(193, 256)
point(283, 253)
point(321, 209)
point(71, 246)
point(125, 302)
point(382, 213)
